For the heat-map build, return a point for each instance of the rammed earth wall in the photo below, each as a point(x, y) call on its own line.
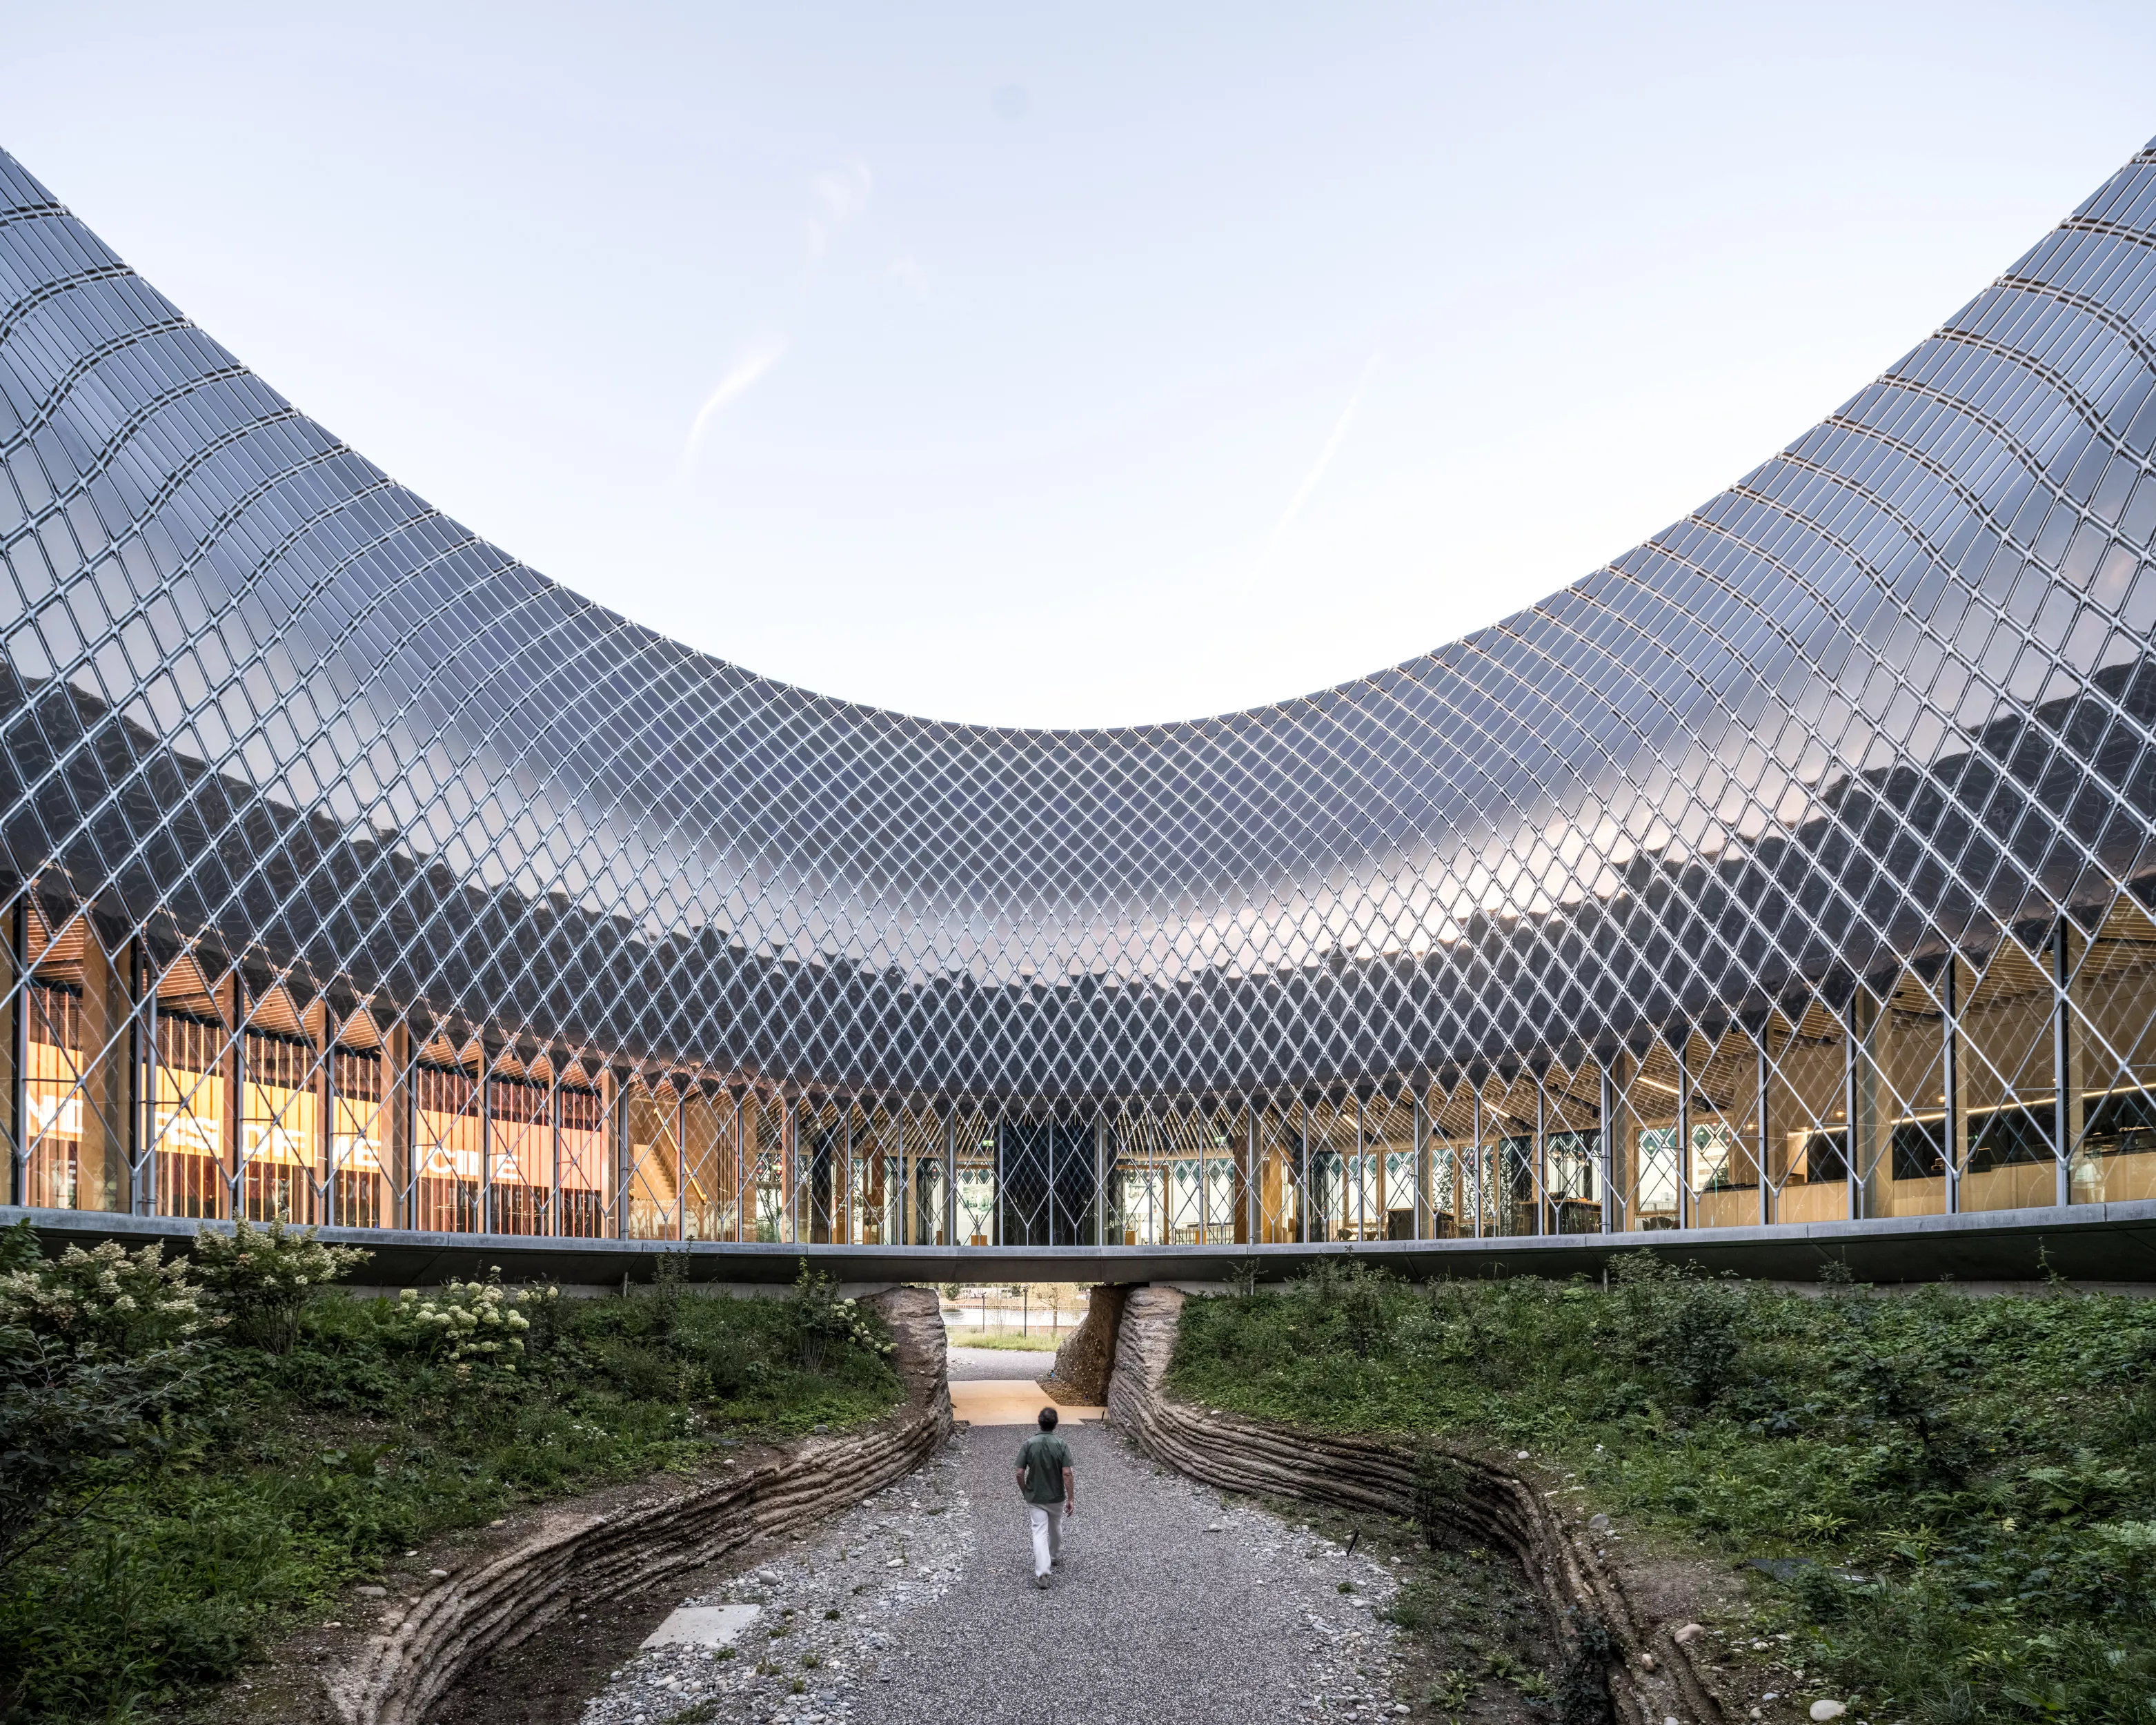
point(399, 1658)
point(1495, 1502)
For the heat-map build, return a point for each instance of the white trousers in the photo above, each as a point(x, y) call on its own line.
point(1047, 1535)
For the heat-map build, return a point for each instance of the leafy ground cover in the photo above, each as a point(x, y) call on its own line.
point(1960, 1491)
point(200, 1454)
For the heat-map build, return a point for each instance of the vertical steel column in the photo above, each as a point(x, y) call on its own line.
point(789, 1162)
point(235, 1103)
point(1850, 1032)
point(553, 1149)
point(1762, 1139)
point(1608, 1150)
point(18, 1086)
point(1684, 1132)
point(1539, 1174)
point(951, 1175)
point(1302, 1174)
point(1950, 1073)
point(1100, 1180)
point(842, 1212)
point(1001, 1202)
point(617, 1150)
point(1423, 1229)
point(1253, 1227)
point(407, 1121)
point(1362, 1175)
point(149, 1096)
point(138, 1134)
point(1475, 1195)
point(680, 1161)
point(330, 1206)
point(485, 1140)
point(2062, 1108)
point(744, 1199)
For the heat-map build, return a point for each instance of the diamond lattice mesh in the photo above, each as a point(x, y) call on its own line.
point(285, 731)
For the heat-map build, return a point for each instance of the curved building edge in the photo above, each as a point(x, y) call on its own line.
point(1793, 869)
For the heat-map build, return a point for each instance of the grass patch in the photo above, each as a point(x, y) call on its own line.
point(1035, 1343)
point(1966, 1483)
point(266, 1481)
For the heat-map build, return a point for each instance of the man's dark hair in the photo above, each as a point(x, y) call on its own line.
point(1048, 1418)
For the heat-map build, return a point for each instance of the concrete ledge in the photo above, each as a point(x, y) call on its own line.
point(2107, 1243)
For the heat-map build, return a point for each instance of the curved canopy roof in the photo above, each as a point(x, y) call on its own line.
point(1886, 694)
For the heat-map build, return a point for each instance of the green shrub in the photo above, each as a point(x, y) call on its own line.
point(97, 1351)
point(1966, 1483)
point(259, 1278)
point(207, 1489)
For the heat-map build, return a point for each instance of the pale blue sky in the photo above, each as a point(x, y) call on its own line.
point(1079, 365)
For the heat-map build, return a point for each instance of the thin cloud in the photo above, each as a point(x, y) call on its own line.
point(841, 195)
point(749, 366)
point(1304, 491)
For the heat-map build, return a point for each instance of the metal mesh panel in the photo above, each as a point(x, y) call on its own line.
point(1789, 866)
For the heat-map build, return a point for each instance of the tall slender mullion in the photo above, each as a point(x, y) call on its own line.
point(1607, 1151)
point(19, 1085)
point(2062, 1096)
point(1541, 1172)
point(1763, 1140)
point(1685, 1207)
point(1950, 1080)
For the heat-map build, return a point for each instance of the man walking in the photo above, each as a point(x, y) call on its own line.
point(1050, 1486)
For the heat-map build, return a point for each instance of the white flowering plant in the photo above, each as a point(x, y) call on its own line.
point(261, 1277)
point(112, 1302)
point(97, 1348)
point(475, 1326)
point(823, 1321)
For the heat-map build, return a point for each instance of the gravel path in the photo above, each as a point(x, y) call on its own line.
point(916, 1608)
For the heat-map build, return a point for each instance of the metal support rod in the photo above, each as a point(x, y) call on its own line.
point(19, 1088)
point(1608, 1151)
point(1253, 1225)
point(617, 1147)
point(1302, 1174)
point(951, 1174)
point(1759, 1123)
point(1950, 1083)
point(1100, 1179)
point(1362, 1176)
point(1539, 1173)
point(1424, 1227)
point(2062, 1109)
point(235, 1108)
point(149, 1183)
point(553, 1150)
point(138, 1117)
point(332, 1211)
point(1475, 1193)
point(744, 1198)
point(1849, 1085)
point(486, 1223)
point(1684, 1134)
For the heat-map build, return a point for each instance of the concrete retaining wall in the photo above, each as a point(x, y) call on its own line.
point(1499, 1504)
point(391, 1670)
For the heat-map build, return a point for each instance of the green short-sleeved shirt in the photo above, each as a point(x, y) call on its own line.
point(1042, 1461)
